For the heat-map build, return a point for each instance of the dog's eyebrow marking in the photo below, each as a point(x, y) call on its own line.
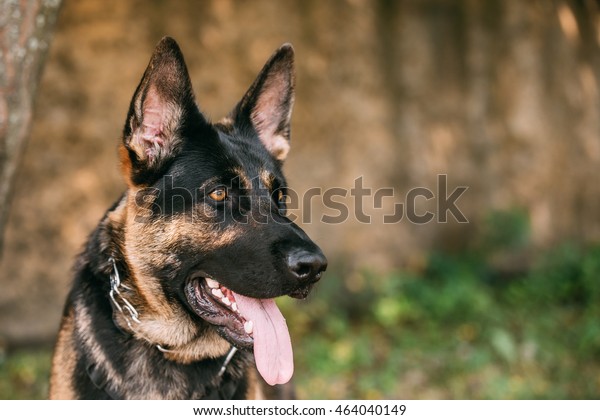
point(267, 178)
point(210, 183)
point(245, 182)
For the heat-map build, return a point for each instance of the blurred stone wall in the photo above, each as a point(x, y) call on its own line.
point(501, 96)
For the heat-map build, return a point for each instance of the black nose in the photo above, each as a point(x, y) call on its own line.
point(306, 266)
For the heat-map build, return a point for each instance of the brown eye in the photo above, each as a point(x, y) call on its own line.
point(218, 194)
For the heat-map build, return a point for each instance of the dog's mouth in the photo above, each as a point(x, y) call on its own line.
point(247, 323)
point(216, 304)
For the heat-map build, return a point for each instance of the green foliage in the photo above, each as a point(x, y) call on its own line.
point(24, 375)
point(449, 332)
point(507, 229)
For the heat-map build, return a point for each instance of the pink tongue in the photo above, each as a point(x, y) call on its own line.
point(272, 344)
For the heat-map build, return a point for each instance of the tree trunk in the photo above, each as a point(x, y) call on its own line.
point(26, 28)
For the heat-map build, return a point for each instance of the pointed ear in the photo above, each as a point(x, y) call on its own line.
point(162, 102)
point(267, 105)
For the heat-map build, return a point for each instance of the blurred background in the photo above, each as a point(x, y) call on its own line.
point(500, 96)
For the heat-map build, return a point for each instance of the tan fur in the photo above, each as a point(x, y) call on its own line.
point(83, 322)
point(245, 182)
point(255, 391)
point(225, 124)
point(210, 345)
point(267, 179)
point(278, 146)
point(125, 164)
point(63, 364)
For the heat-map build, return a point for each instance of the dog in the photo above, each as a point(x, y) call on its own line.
point(172, 296)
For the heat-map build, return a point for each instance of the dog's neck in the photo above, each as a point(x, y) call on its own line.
point(125, 314)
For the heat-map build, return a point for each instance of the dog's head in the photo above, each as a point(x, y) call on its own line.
point(206, 236)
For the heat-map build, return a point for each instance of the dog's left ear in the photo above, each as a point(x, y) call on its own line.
point(160, 110)
point(267, 105)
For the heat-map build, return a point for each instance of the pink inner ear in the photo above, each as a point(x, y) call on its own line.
point(150, 137)
point(270, 114)
point(267, 112)
point(152, 131)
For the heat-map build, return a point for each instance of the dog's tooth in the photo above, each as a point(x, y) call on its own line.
point(213, 284)
point(217, 293)
point(226, 301)
point(248, 327)
point(234, 307)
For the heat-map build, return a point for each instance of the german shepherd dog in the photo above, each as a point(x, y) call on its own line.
point(173, 293)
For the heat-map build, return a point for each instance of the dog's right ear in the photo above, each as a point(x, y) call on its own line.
point(162, 102)
point(267, 105)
